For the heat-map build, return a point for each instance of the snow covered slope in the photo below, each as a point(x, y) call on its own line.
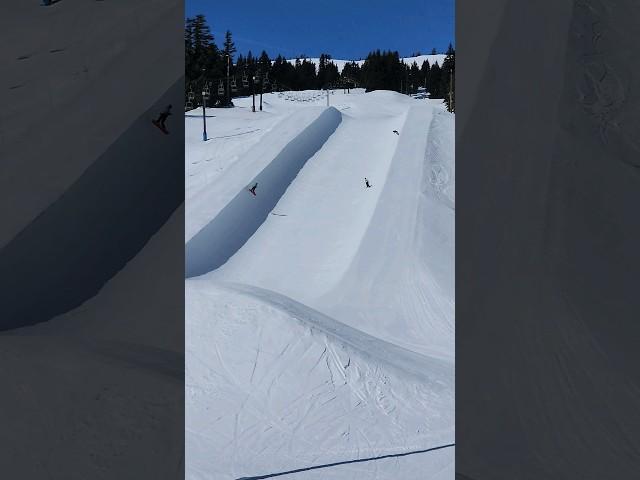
point(82, 80)
point(295, 388)
point(97, 392)
point(324, 332)
point(90, 198)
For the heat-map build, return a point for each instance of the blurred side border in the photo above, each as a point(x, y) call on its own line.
point(92, 245)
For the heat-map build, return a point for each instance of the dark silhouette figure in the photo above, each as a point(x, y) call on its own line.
point(253, 189)
point(366, 182)
point(162, 118)
point(396, 132)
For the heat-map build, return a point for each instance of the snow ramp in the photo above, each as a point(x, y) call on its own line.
point(400, 285)
point(298, 389)
point(214, 244)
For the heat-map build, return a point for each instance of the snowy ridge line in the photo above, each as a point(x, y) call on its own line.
point(345, 462)
point(223, 236)
point(437, 58)
point(398, 357)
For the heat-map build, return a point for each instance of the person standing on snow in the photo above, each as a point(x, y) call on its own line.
point(366, 182)
point(253, 189)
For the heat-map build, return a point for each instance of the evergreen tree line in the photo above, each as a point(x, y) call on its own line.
point(207, 66)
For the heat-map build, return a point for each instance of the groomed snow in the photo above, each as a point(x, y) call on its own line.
point(320, 313)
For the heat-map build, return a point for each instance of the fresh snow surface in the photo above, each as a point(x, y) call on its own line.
point(320, 313)
point(437, 58)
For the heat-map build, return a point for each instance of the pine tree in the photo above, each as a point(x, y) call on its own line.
point(327, 72)
point(264, 67)
point(351, 72)
point(240, 72)
point(434, 82)
point(447, 82)
point(305, 74)
point(414, 77)
point(202, 57)
point(229, 47)
point(385, 71)
point(188, 40)
point(264, 62)
point(424, 74)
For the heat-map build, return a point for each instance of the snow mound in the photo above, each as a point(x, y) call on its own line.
point(295, 388)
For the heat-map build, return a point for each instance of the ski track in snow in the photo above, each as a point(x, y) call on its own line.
point(325, 338)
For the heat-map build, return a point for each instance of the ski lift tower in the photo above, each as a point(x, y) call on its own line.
point(261, 89)
point(228, 91)
point(205, 96)
point(253, 93)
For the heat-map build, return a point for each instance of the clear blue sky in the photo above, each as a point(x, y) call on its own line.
point(346, 29)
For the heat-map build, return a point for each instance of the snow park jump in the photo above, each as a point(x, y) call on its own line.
point(331, 303)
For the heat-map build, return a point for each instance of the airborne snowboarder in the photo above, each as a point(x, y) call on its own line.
point(366, 182)
point(253, 189)
point(396, 132)
point(162, 118)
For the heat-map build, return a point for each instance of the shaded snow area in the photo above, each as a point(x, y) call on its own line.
point(319, 312)
point(91, 332)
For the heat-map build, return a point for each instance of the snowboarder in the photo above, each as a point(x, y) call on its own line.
point(366, 182)
point(253, 189)
point(396, 132)
point(162, 118)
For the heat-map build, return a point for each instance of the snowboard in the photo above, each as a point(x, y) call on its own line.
point(163, 130)
point(252, 193)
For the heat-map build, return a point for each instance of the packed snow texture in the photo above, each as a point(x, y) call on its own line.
point(320, 313)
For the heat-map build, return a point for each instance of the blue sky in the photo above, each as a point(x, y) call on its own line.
point(347, 29)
